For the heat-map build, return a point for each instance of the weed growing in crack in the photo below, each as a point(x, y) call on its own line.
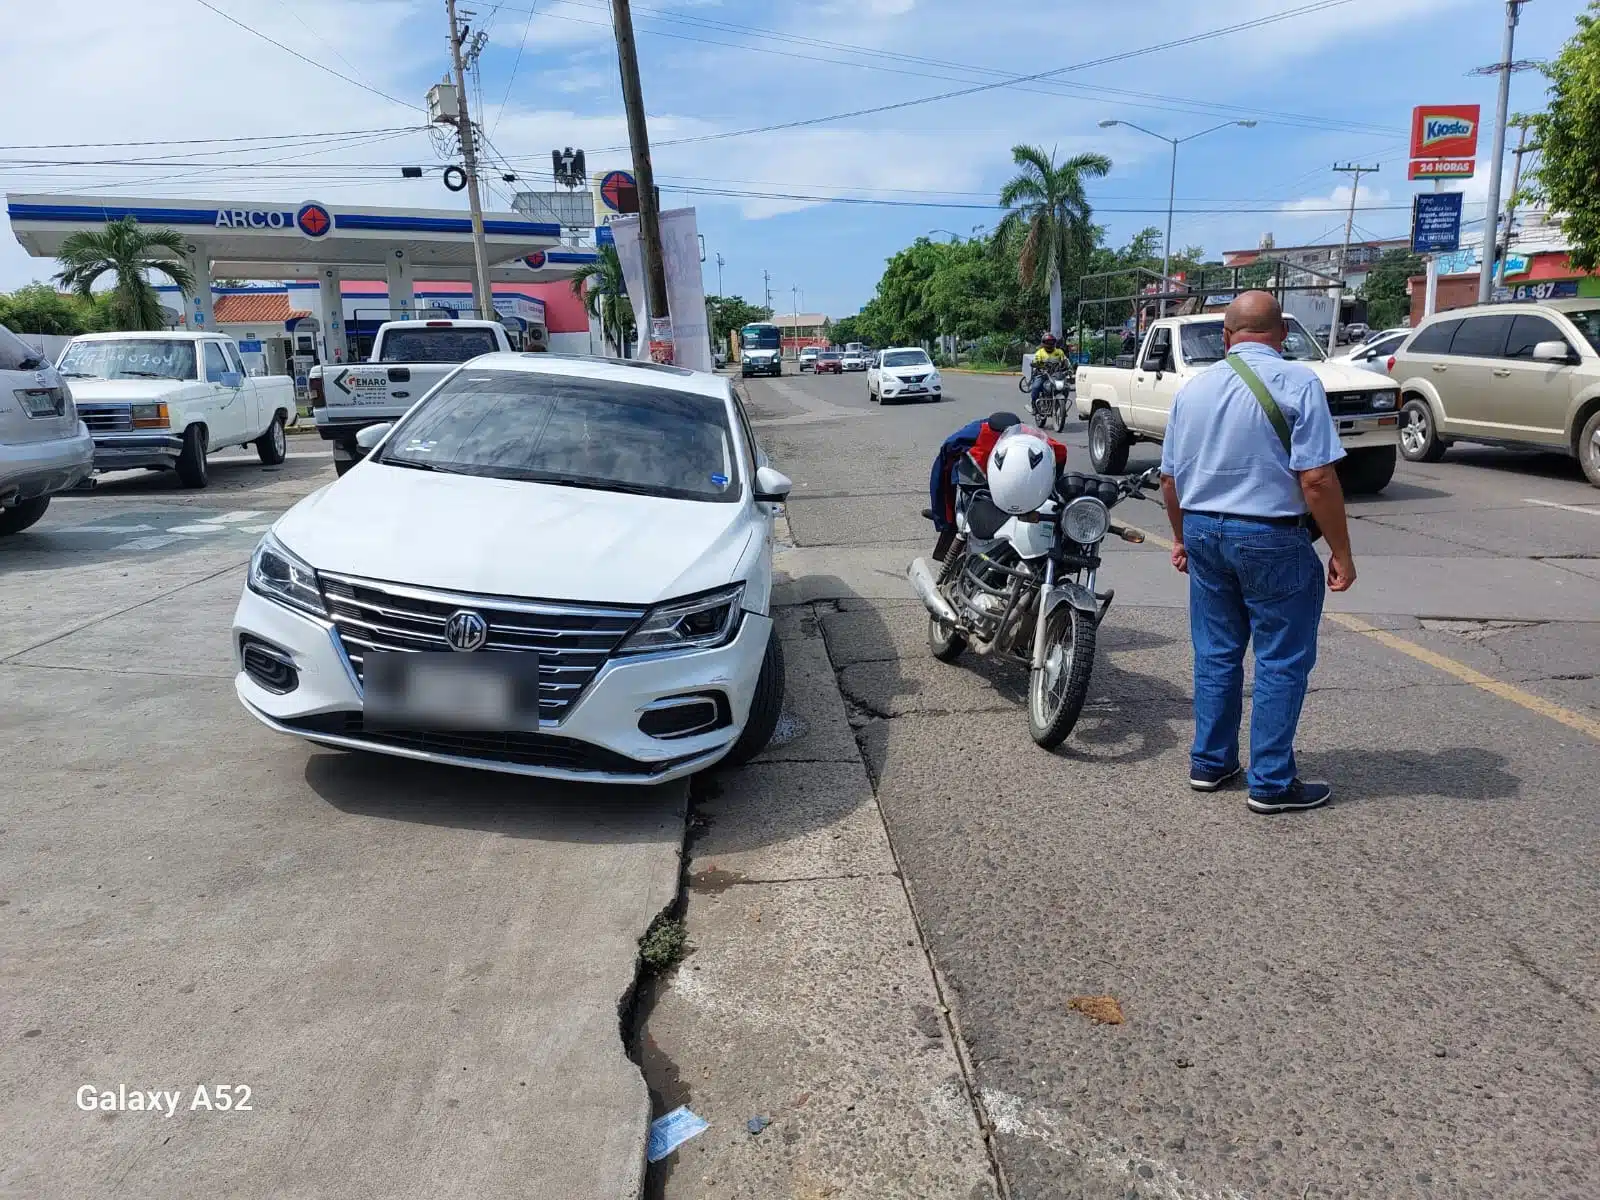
point(663, 944)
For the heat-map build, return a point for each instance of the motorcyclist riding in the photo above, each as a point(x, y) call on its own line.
point(1046, 358)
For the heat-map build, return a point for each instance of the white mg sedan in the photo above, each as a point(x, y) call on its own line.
point(550, 566)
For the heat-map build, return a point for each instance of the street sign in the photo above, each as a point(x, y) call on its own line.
point(1435, 222)
point(1441, 168)
point(1444, 131)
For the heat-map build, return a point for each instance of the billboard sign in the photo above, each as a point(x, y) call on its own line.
point(1444, 131)
point(1441, 168)
point(1436, 222)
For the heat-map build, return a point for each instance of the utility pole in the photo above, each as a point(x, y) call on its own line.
point(766, 287)
point(482, 297)
point(1344, 253)
point(1491, 231)
point(720, 261)
point(1511, 199)
point(655, 273)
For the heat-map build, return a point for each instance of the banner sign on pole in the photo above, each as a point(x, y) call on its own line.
point(1444, 131)
point(1436, 222)
point(1442, 168)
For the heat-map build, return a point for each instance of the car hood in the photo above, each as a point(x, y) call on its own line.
point(1339, 376)
point(505, 538)
point(124, 391)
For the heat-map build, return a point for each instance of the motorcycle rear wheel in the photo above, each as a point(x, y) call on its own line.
point(1057, 690)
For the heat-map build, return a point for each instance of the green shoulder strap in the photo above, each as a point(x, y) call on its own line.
point(1263, 397)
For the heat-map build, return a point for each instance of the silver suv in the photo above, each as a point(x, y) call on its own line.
point(44, 448)
point(1524, 375)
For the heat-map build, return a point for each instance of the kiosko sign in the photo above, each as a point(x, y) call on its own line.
point(1444, 131)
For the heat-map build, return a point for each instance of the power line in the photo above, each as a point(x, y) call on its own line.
point(310, 61)
point(264, 137)
point(513, 76)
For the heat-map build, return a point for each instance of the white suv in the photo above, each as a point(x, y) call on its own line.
point(44, 447)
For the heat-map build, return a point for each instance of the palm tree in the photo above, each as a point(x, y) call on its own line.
point(1046, 204)
point(125, 250)
point(604, 295)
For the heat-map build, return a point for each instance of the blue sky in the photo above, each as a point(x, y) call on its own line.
point(1332, 85)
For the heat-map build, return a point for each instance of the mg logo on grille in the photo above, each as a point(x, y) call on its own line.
point(466, 630)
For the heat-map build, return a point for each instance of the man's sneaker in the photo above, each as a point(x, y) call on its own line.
point(1303, 794)
point(1207, 779)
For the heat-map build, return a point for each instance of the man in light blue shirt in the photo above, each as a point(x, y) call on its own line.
point(1247, 464)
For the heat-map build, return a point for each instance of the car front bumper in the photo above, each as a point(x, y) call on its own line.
point(598, 740)
point(29, 470)
point(1366, 433)
point(122, 451)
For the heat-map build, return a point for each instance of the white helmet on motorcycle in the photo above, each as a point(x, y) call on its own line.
point(1022, 472)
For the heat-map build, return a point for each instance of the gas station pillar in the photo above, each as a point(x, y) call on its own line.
point(402, 288)
point(330, 316)
point(200, 316)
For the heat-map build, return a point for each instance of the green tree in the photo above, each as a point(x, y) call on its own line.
point(39, 308)
point(1567, 177)
point(604, 294)
point(846, 330)
point(127, 251)
point(1385, 288)
point(729, 314)
point(1047, 208)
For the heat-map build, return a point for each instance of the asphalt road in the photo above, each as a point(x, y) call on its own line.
point(1394, 996)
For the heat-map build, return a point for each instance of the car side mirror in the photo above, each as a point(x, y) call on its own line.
point(772, 486)
point(231, 379)
point(369, 437)
point(1552, 352)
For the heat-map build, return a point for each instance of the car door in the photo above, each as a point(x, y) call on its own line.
point(250, 393)
point(223, 407)
point(1529, 399)
point(1154, 382)
point(874, 372)
point(1476, 351)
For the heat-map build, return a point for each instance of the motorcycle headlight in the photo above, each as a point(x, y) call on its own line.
point(281, 576)
point(1085, 520)
point(1384, 400)
point(698, 623)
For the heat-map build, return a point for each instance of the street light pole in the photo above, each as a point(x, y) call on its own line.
point(1172, 187)
point(1491, 224)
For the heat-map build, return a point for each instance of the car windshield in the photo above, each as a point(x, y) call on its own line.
point(906, 358)
point(830, 355)
point(583, 433)
point(1202, 343)
point(436, 345)
point(129, 358)
point(1588, 322)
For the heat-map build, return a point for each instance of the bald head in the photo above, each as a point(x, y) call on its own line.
point(1254, 317)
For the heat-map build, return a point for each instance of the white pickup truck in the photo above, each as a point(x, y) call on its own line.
point(1128, 404)
point(408, 359)
point(165, 400)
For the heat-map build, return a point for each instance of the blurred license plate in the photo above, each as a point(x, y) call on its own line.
point(446, 690)
point(40, 403)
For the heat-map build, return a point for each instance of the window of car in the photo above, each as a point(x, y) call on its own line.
point(441, 345)
point(600, 434)
point(129, 358)
point(216, 364)
point(752, 450)
point(235, 363)
point(1158, 350)
point(16, 354)
point(1588, 322)
point(830, 356)
point(1435, 338)
point(906, 358)
point(1527, 331)
point(1202, 343)
point(1481, 337)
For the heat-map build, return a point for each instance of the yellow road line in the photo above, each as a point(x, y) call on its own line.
point(1440, 662)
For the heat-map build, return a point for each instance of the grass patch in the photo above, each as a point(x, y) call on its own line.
point(663, 944)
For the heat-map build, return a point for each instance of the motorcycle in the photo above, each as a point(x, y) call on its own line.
point(1053, 403)
point(1023, 587)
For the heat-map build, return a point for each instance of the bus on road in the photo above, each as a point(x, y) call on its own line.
point(761, 349)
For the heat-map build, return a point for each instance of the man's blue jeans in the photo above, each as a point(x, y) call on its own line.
point(1251, 581)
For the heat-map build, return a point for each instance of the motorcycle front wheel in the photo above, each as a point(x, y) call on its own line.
point(1057, 690)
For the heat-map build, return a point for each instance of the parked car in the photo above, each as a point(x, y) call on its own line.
point(44, 447)
point(808, 356)
point(408, 358)
point(1356, 331)
point(1523, 375)
point(855, 360)
point(166, 400)
point(904, 372)
point(550, 566)
point(830, 362)
point(1124, 405)
point(1373, 355)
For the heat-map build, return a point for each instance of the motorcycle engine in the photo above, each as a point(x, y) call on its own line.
point(985, 590)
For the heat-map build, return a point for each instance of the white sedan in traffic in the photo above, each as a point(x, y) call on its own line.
point(549, 566)
point(903, 373)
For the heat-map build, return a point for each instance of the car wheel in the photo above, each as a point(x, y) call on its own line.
point(1419, 440)
point(1367, 472)
point(1108, 441)
point(1589, 448)
point(272, 446)
point(192, 461)
point(766, 706)
point(18, 517)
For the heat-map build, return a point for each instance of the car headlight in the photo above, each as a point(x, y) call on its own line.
point(149, 416)
point(934, 380)
point(281, 576)
point(1085, 520)
point(698, 623)
point(1384, 400)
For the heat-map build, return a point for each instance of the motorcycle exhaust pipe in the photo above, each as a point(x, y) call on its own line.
point(927, 588)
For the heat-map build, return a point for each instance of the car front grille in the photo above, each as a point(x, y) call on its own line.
point(912, 378)
point(106, 420)
point(573, 641)
point(1353, 404)
point(515, 749)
